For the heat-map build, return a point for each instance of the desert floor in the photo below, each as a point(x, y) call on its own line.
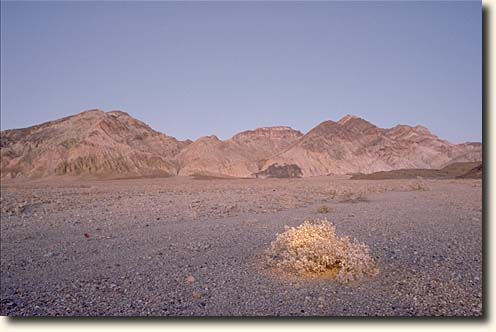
point(184, 246)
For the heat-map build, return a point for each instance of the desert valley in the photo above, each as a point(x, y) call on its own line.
point(103, 216)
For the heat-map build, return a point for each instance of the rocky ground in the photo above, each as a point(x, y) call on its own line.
point(184, 246)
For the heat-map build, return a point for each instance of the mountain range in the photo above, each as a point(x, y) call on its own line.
point(114, 144)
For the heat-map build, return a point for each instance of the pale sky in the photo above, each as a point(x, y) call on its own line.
point(195, 69)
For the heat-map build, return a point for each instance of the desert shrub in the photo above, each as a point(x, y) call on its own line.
point(380, 189)
point(419, 185)
point(314, 248)
point(323, 209)
point(349, 196)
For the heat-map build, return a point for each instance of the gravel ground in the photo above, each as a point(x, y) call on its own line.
point(189, 247)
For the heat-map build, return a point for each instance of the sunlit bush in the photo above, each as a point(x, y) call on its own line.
point(314, 248)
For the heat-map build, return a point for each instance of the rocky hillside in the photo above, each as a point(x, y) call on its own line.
point(113, 144)
point(353, 145)
point(90, 143)
point(241, 156)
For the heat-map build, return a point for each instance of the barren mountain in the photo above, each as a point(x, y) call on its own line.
point(116, 145)
point(240, 156)
point(92, 142)
point(353, 145)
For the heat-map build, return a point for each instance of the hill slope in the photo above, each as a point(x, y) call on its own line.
point(89, 143)
point(240, 156)
point(353, 145)
point(455, 170)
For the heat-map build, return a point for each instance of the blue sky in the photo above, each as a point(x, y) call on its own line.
point(195, 69)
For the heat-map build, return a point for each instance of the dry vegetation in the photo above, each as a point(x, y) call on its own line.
point(313, 248)
point(419, 185)
point(352, 197)
point(323, 209)
point(359, 193)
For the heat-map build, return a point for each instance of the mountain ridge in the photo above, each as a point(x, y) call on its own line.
point(107, 144)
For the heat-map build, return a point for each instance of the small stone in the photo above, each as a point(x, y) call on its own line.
point(190, 279)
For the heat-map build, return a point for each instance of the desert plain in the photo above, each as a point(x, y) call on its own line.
point(196, 246)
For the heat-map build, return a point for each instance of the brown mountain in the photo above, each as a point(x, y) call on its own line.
point(92, 142)
point(353, 145)
point(240, 156)
point(115, 144)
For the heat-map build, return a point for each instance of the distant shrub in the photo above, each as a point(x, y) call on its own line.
point(419, 185)
point(323, 209)
point(314, 248)
point(352, 197)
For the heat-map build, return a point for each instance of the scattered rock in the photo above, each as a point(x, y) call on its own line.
point(189, 280)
